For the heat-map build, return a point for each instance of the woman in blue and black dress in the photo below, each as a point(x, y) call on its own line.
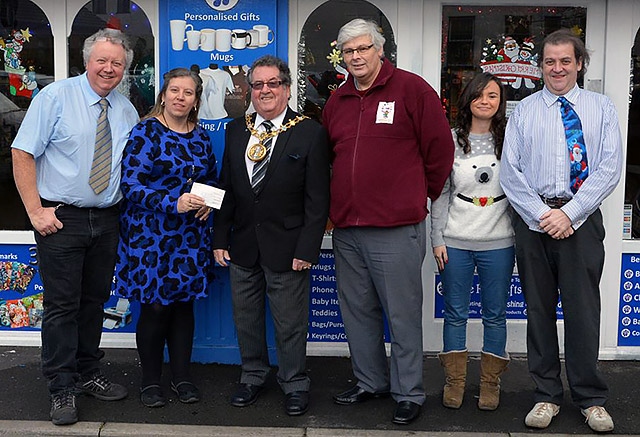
point(164, 257)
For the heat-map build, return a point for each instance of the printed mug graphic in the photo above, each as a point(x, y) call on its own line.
point(222, 5)
point(178, 30)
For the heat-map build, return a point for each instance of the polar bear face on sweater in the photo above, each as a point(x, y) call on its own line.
point(484, 168)
point(478, 175)
point(484, 174)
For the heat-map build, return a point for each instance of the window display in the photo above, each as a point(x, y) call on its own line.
point(631, 225)
point(27, 49)
point(320, 66)
point(26, 45)
point(501, 40)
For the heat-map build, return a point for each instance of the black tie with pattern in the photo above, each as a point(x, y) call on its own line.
point(260, 168)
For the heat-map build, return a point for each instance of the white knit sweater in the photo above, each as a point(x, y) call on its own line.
point(472, 212)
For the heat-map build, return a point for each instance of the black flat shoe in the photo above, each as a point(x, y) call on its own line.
point(245, 395)
point(406, 412)
point(356, 395)
point(186, 391)
point(296, 403)
point(152, 396)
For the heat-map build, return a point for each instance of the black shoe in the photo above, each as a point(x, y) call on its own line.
point(245, 395)
point(406, 412)
point(101, 388)
point(63, 408)
point(355, 395)
point(186, 391)
point(152, 396)
point(296, 403)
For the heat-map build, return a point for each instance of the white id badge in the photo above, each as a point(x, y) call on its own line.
point(385, 112)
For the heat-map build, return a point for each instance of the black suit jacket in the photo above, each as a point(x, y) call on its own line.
point(286, 219)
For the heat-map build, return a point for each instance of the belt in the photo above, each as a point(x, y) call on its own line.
point(481, 201)
point(56, 205)
point(555, 202)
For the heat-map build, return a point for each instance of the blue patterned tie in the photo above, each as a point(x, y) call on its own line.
point(575, 142)
point(260, 167)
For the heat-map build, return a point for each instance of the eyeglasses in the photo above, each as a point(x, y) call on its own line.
point(272, 84)
point(361, 50)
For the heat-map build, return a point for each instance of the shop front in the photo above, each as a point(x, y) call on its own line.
point(446, 42)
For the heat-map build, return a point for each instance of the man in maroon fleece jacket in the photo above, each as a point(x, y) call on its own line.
point(392, 150)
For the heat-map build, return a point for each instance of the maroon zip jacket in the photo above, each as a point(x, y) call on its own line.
point(391, 150)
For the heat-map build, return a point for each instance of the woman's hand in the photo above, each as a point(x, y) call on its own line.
point(190, 202)
point(440, 254)
point(203, 213)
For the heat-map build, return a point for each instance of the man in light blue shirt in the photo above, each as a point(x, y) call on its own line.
point(559, 232)
point(75, 223)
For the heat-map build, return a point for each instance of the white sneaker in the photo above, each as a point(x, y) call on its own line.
point(598, 419)
point(541, 415)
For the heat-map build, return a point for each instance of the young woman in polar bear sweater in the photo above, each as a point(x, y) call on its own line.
point(471, 229)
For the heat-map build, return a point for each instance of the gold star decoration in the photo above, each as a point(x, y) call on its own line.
point(576, 30)
point(334, 57)
point(489, 41)
point(26, 34)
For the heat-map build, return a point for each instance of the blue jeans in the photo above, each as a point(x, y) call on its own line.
point(495, 268)
point(76, 266)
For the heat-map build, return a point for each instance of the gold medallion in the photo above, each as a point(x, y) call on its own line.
point(257, 152)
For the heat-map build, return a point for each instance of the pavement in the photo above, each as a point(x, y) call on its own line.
point(24, 404)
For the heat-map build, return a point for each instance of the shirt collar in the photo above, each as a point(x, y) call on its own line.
point(550, 98)
point(93, 98)
point(276, 121)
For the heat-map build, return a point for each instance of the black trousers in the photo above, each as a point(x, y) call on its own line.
point(570, 268)
point(76, 266)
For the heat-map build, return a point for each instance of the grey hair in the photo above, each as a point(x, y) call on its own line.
point(360, 27)
point(114, 36)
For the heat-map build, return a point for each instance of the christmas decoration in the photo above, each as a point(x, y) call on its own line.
point(513, 63)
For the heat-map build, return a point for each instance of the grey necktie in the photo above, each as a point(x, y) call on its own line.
point(101, 166)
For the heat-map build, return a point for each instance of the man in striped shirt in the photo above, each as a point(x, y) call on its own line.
point(559, 231)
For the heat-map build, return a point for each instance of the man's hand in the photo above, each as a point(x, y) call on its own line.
point(44, 221)
point(556, 223)
point(222, 257)
point(299, 265)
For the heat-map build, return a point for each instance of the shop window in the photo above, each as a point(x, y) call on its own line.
point(26, 45)
point(321, 69)
point(139, 84)
point(631, 228)
point(502, 40)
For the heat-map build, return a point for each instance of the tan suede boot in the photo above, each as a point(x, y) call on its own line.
point(455, 371)
point(491, 367)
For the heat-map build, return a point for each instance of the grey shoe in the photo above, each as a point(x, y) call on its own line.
point(63, 408)
point(541, 415)
point(101, 388)
point(598, 419)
